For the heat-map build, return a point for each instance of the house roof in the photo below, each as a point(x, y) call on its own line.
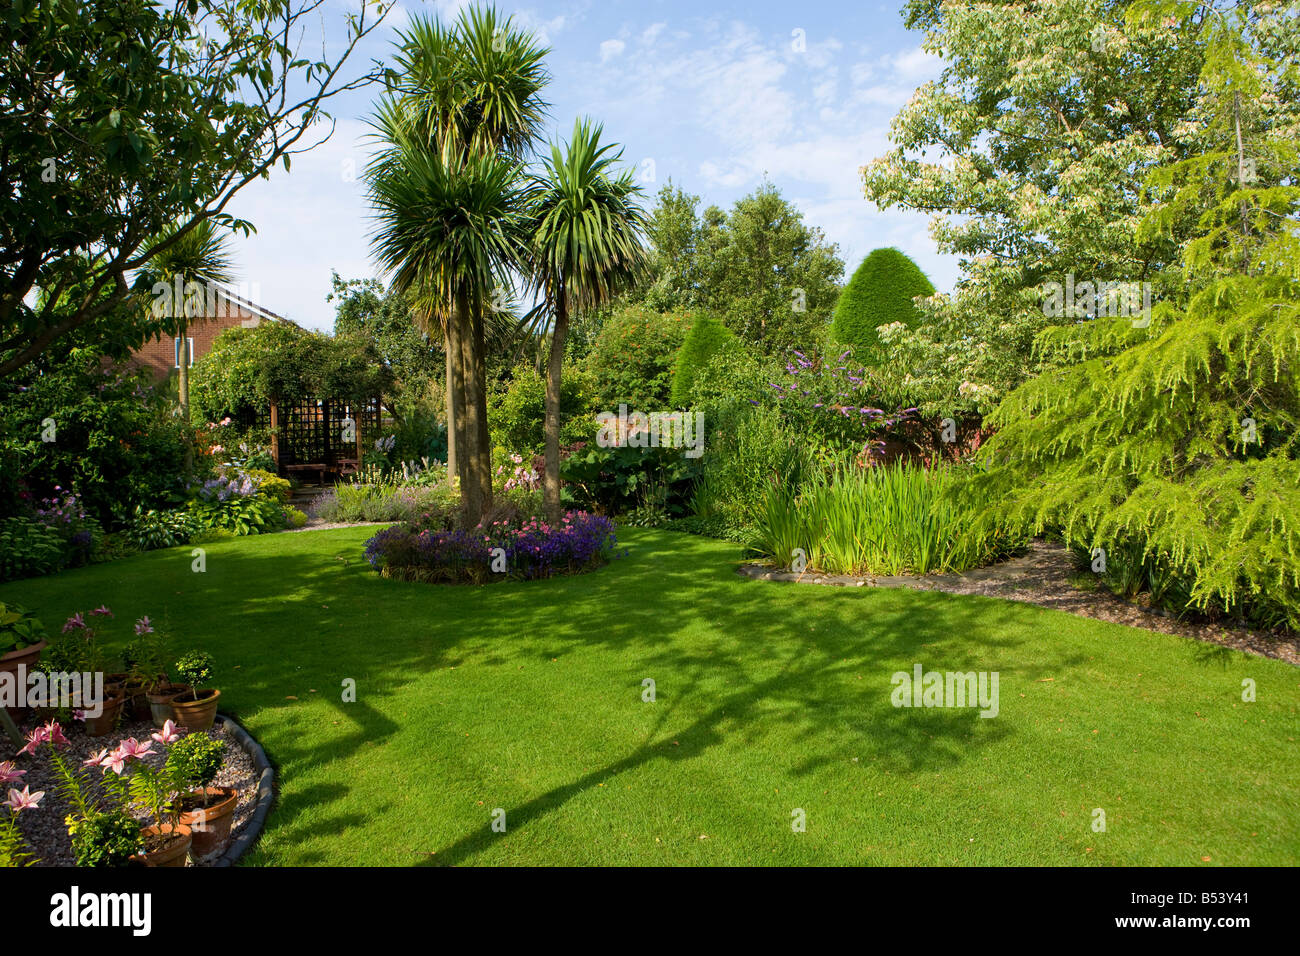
point(262, 313)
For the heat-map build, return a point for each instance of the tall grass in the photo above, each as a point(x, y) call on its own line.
point(891, 519)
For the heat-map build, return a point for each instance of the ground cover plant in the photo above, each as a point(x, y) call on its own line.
point(528, 697)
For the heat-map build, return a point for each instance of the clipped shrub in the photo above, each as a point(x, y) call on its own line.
point(704, 339)
point(880, 292)
point(518, 414)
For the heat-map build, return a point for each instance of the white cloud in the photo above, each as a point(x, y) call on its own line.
point(651, 33)
point(609, 49)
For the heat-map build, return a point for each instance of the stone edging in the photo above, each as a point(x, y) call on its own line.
point(265, 791)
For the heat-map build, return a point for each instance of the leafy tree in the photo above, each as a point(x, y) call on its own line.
point(278, 361)
point(704, 338)
point(772, 279)
point(673, 230)
point(124, 117)
point(769, 277)
point(1175, 445)
point(586, 230)
point(1030, 150)
point(881, 292)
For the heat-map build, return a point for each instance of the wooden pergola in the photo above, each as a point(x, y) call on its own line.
point(312, 435)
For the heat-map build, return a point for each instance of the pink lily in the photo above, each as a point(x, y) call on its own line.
point(132, 749)
point(102, 611)
point(95, 759)
point(168, 734)
point(34, 741)
point(10, 773)
point(26, 800)
point(54, 734)
point(143, 626)
point(74, 622)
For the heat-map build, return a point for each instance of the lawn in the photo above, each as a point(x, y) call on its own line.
point(769, 697)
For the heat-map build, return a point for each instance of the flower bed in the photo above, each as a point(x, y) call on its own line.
point(507, 548)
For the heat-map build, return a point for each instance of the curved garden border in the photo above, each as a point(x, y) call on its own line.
point(1040, 577)
point(265, 791)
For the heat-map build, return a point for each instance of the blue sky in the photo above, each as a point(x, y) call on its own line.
point(712, 95)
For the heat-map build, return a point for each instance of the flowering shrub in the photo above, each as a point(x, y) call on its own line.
point(529, 548)
point(237, 501)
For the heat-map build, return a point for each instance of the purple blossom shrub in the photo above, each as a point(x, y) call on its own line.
point(533, 549)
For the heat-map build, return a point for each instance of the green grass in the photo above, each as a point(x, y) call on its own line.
point(770, 697)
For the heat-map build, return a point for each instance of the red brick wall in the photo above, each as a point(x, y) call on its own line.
point(159, 355)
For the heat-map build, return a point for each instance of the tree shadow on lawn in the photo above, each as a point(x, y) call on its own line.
point(808, 664)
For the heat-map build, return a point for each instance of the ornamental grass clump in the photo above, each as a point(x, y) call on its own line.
point(498, 548)
point(888, 519)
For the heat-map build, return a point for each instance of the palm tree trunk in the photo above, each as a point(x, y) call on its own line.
point(551, 481)
point(483, 461)
point(456, 458)
point(183, 378)
point(455, 417)
point(470, 452)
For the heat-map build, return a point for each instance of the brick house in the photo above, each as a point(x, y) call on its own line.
point(161, 356)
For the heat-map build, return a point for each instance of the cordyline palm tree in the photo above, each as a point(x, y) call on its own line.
point(450, 228)
point(191, 264)
point(466, 104)
point(587, 244)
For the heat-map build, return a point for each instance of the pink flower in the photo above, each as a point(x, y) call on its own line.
point(102, 611)
point(143, 626)
point(96, 759)
point(168, 735)
point(25, 800)
point(79, 715)
point(54, 734)
point(114, 761)
point(34, 741)
point(132, 749)
point(9, 773)
point(74, 622)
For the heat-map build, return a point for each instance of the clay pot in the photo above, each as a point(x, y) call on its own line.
point(198, 713)
point(106, 722)
point(210, 825)
point(160, 701)
point(171, 853)
point(10, 661)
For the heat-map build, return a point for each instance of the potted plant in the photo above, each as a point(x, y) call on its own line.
point(103, 832)
point(149, 788)
point(22, 638)
point(194, 762)
point(146, 672)
point(195, 708)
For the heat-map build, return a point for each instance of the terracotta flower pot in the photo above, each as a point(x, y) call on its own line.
point(210, 825)
point(10, 661)
point(197, 713)
point(171, 843)
point(160, 702)
point(109, 712)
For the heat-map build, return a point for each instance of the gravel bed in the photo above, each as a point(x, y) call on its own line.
point(44, 828)
point(1042, 577)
